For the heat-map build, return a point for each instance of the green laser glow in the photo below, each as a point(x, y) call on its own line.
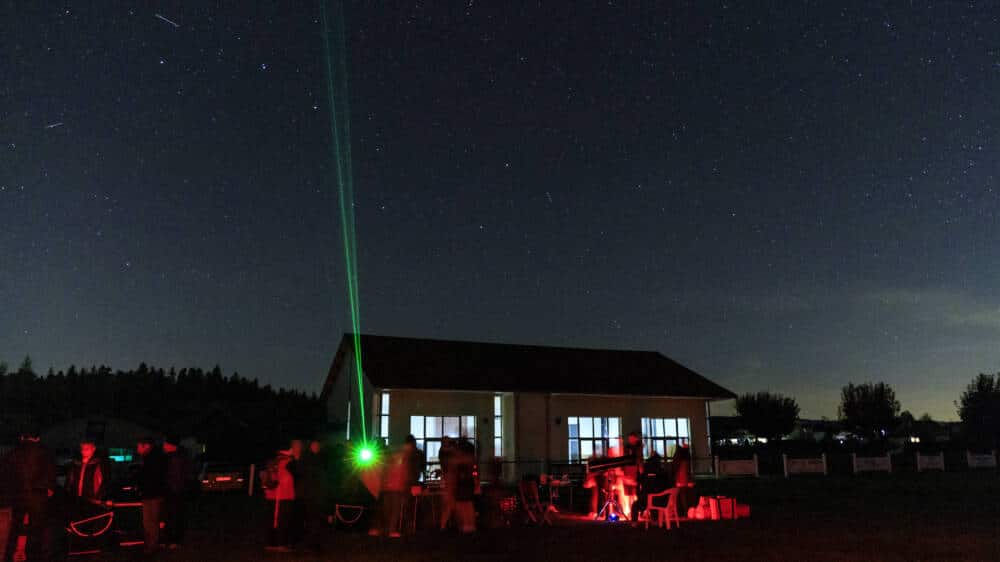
point(365, 454)
point(340, 125)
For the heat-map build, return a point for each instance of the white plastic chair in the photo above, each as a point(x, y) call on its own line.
point(664, 514)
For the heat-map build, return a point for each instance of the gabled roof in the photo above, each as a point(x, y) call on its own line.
point(411, 363)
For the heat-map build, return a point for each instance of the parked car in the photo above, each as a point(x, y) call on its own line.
point(218, 477)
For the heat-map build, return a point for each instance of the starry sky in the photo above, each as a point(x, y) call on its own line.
point(785, 199)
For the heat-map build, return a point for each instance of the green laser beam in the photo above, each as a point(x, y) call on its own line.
point(340, 126)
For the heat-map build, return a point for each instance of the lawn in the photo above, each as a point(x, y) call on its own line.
point(953, 517)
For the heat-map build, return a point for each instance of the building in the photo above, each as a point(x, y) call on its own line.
point(533, 407)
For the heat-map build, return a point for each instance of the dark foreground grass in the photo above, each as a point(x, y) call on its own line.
point(947, 517)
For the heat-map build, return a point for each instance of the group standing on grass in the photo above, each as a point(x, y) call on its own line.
point(28, 484)
point(297, 481)
point(301, 484)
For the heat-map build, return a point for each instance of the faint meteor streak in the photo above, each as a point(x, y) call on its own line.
point(173, 23)
point(54, 125)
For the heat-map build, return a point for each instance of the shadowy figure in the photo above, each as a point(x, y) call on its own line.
point(179, 470)
point(152, 484)
point(33, 479)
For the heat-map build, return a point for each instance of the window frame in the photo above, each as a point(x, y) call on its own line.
point(433, 462)
point(655, 432)
point(498, 426)
point(610, 438)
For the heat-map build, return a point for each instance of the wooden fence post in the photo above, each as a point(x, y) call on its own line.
point(784, 463)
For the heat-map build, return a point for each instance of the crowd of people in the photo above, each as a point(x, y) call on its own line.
point(304, 484)
point(162, 484)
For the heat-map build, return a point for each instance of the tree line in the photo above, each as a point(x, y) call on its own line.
point(871, 412)
point(235, 417)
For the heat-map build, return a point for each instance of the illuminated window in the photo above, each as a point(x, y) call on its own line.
point(430, 430)
point(497, 426)
point(383, 417)
point(593, 437)
point(663, 434)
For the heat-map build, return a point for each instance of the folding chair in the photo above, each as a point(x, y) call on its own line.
point(537, 511)
point(665, 513)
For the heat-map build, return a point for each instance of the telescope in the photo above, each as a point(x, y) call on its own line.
point(609, 463)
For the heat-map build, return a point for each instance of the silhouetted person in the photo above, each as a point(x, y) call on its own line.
point(309, 472)
point(401, 472)
point(682, 477)
point(337, 468)
point(464, 474)
point(416, 462)
point(296, 526)
point(152, 483)
point(445, 457)
point(33, 482)
point(178, 483)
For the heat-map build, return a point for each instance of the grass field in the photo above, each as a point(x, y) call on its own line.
point(948, 517)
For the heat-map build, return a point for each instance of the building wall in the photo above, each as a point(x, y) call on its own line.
point(531, 434)
point(343, 396)
point(534, 424)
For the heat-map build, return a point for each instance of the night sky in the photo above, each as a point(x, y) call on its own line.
point(785, 200)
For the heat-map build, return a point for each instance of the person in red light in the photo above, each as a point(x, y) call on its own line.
point(87, 477)
point(33, 475)
point(297, 523)
point(399, 474)
point(631, 473)
point(279, 487)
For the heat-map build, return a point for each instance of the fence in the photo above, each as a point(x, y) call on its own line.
point(930, 462)
point(741, 467)
point(979, 460)
point(703, 465)
point(815, 465)
point(871, 464)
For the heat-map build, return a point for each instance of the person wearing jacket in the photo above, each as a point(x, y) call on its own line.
point(279, 487)
point(152, 483)
point(308, 469)
point(178, 482)
point(400, 473)
point(33, 472)
point(87, 478)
